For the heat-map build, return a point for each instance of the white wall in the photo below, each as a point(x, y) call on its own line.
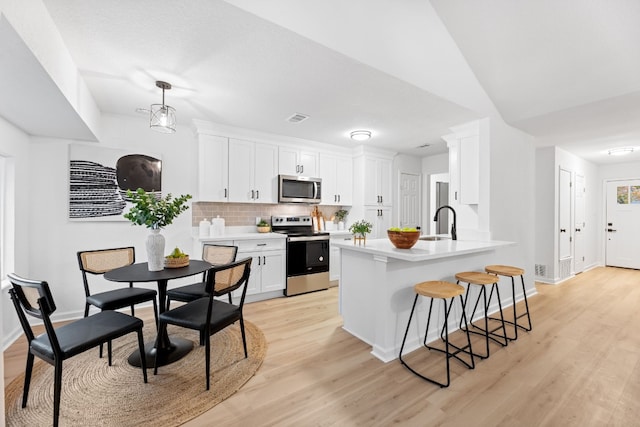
point(549, 161)
point(512, 178)
point(14, 147)
point(54, 240)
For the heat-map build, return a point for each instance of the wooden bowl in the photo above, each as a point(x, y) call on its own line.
point(403, 239)
point(265, 229)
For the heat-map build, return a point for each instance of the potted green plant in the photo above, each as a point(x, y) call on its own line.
point(263, 226)
point(360, 229)
point(340, 215)
point(155, 213)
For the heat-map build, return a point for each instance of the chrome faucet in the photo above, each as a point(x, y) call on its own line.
point(454, 234)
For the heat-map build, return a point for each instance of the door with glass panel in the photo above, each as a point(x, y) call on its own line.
point(622, 227)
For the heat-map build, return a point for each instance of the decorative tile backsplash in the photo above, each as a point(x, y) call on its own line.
point(243, 214)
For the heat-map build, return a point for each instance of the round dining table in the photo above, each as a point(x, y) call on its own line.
point(168, 350)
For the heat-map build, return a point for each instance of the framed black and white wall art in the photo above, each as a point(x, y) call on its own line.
point(99, 178)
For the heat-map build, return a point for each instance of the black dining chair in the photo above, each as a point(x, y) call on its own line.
point(31, 297)
point(213, 254)
point(97, 262)
point(209, 315)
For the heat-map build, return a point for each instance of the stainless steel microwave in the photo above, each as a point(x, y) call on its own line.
point(299, 189)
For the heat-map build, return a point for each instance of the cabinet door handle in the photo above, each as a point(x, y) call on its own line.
point(257, 194)
point(381, 199)
point(338, 197)
point(264, 260)
point(252, 195)
point(259, 261)
point(261, 244)
point(455, 195)
point(225, 193)
point(297, 168)
point(563, 230)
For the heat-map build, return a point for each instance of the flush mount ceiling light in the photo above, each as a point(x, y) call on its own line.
point(360, 135)
point(620, 151)
point(163, 117)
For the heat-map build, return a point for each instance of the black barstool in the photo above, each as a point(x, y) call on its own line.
point(447, 292)
point(483, 279)
point(509, 271)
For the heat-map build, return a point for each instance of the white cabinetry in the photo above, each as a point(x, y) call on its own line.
point(464, 165)
point(377, 179)
point(337, 180)
point(296, 162)
point(213, 171)
point(268, 266)
point(380, 218)
point(253, 172)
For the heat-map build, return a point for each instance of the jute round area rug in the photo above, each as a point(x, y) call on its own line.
point(94, 393)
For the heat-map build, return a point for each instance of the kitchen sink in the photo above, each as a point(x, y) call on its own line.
point(432, 238)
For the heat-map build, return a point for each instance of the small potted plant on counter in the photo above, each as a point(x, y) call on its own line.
point(340, 216)
point(360, 229)
point(263, 226)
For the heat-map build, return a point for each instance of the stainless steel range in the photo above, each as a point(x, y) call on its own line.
point(307, 254)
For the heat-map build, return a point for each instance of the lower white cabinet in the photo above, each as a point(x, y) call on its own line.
point(268, 268)
point(268, 265)
point(267, 271)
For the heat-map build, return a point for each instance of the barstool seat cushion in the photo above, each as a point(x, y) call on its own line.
point(438, 289)
point(476, 278)
point(504, 270)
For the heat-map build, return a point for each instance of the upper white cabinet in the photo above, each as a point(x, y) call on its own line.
point(297, 162)
point(464, 165)
point(377, 181)
point(337, 180)
point(213, 171)
point(253, 172)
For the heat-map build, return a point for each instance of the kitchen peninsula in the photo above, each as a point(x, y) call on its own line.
point(376, 285)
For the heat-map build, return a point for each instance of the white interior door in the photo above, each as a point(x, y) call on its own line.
point(579, 225)
point(623, 224)
point(564, 220)
point(409, 200)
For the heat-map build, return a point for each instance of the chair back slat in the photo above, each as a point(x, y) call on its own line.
point(103, 260)
point(219, 254)
point(228, 277)
point(33, 298)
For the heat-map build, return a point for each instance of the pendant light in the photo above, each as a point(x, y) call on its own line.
point(163, 117)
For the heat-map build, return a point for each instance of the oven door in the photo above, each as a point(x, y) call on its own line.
point(307, 255)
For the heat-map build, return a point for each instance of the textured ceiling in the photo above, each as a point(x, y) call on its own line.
point(565, 72)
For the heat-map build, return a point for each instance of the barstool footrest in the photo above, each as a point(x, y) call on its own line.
point(454, 354)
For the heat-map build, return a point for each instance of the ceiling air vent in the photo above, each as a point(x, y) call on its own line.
point(424, 146)
point(297, 118)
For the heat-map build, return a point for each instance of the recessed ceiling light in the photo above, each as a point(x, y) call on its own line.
point(621, 151)
point(360, 135)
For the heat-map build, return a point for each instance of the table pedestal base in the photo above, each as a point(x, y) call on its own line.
point(178, 348)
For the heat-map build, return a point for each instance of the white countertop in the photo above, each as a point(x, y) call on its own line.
point(423, 250)
point(241, 236)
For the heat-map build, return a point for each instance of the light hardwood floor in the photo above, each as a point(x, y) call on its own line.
point(579, 366)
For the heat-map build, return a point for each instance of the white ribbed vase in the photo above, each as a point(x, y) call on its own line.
point(155, 250)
